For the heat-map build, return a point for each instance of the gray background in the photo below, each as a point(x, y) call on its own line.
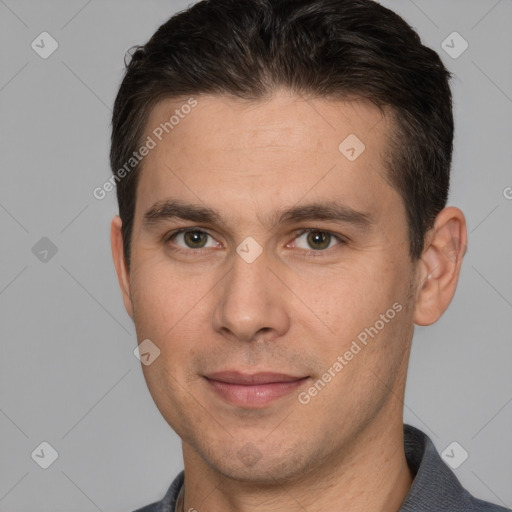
point(68, 375)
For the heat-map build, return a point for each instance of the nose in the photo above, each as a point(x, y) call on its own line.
point(251, 303)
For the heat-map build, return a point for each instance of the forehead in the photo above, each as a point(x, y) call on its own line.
point(283, 119)
point(216, 149)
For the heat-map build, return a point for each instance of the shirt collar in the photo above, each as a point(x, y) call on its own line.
point(435, 487)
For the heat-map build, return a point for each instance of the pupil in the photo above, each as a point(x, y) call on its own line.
point(319, 238)
point(193, 238)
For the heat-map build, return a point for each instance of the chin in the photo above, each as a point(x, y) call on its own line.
point(256, 464)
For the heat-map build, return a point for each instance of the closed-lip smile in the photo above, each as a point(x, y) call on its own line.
point(254, 390)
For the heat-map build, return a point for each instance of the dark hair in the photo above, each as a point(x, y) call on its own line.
point(320, 48)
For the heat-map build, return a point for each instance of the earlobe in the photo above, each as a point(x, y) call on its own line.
point(123, 276)
point(439, 266)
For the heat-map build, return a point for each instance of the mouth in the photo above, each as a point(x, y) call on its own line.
point(253, 391)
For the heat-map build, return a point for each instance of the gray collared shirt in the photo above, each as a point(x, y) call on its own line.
point(435, 487)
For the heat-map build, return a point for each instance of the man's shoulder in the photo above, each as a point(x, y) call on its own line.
point(486, 506)
point(473, 504)
point(168, 502)
point(153, 507)
point(435, 487)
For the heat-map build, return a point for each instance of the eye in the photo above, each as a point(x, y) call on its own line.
point(316, 239)
point(192, 239)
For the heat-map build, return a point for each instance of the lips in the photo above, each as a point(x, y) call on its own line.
point(233, 377)
point(253, 390)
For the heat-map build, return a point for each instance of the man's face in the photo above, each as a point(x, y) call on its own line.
point(296, 308)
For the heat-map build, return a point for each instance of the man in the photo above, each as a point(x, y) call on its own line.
point(282, 171)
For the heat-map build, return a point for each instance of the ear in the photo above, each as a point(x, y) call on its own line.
point(439, 266)
point(123, 274)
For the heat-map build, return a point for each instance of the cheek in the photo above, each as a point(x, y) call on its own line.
point(350, 294)
point(161, 297)
point(360, 316)
point(173, 311)
point(164, 313)
point(366, 354)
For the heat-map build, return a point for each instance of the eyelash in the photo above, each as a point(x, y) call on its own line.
point(306, 253)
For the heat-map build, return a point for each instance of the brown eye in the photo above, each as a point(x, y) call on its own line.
point(192, 239)
point(195, 239)
point(318, 239)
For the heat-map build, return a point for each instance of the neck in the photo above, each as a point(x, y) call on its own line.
point(372, 475)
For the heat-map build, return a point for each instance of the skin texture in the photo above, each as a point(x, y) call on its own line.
point(293, 310)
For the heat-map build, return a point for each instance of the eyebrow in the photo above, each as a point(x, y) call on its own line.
point(326, 211)
point(169, 210)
